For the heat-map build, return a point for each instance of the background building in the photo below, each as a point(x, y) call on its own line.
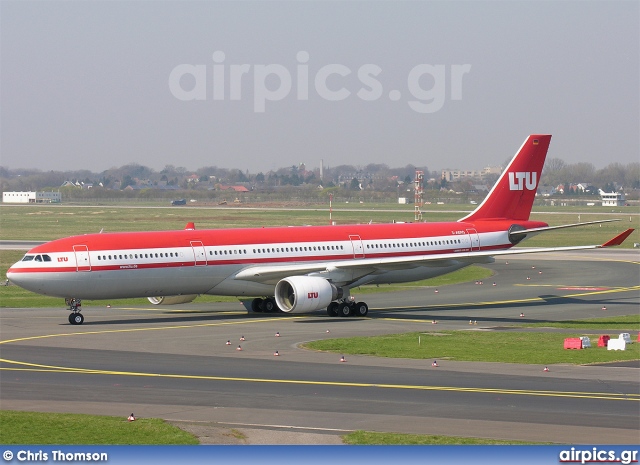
point(31, 197)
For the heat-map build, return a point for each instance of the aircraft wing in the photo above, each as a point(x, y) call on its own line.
point(357, 268)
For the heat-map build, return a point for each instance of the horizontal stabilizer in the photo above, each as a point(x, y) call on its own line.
point(619, 239)
point(524, 232)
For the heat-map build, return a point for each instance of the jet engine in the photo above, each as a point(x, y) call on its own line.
point(300, 294)
point(172, 299)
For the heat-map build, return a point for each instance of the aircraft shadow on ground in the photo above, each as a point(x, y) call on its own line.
point(546, 300)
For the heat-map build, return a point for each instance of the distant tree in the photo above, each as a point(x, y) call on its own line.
point(127, 181)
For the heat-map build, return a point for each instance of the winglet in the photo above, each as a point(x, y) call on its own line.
point(619, 239)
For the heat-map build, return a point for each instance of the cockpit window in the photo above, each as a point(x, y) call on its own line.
point(27, 258)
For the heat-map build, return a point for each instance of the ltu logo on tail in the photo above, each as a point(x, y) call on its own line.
point(519, 180)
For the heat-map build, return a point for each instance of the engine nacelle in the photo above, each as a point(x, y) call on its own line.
point(172, 299)
point(300, 294)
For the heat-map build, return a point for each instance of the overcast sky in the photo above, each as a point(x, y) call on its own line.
point(93, 85)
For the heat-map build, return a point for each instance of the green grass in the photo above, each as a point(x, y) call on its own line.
point(614, 323)
point(388, 439)
point(48, 222)
point(73, 429)
point(66, 428)
point(477, 346)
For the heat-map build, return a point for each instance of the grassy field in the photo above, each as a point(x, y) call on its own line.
point(65, 428)
point(493, 346)
point(388, 439)
point(73, 429)
point(36, 222)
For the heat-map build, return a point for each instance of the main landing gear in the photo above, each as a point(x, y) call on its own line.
point(347, 308)
point(75, 317)
point(267, 305)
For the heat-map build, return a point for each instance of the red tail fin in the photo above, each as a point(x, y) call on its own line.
point(513, 195)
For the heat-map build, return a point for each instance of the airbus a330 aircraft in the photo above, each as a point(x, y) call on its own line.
point(291, 269)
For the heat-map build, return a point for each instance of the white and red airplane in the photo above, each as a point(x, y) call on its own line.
point(291, 269)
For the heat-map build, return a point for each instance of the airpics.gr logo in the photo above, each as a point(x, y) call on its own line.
point(520, 180)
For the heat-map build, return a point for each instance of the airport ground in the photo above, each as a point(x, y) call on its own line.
point(174, 363)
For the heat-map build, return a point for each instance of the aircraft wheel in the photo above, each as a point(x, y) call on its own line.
point(361, 309)
point(76, 318)
point(256, 305)
point(269, 305)
point(344, 309)
point(332, 309)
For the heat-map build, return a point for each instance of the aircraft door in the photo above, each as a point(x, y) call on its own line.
point(474, 238)
point(199, 254)
point(83, 263)
point(358, 248)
